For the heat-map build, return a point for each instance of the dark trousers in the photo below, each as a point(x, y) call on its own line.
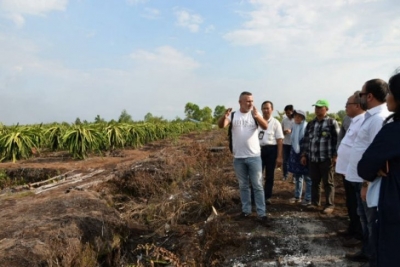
point(268, 158)
point(322, 171)
point(354, 228)
point(361, 211)
point(286, 154)
point(372, 217)
point(368, 218)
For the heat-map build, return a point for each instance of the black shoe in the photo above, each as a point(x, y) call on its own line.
point(344, 232)
point(243, 216)
point(358, 256)
point(351, 243)
point(264, 221)
point(268, 201)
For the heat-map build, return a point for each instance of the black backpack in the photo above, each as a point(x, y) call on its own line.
point(230, 131)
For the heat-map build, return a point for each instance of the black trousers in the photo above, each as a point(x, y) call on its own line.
point(268, 157)
point(354, 228)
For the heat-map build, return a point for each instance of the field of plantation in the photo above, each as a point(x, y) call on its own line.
point(169, 201)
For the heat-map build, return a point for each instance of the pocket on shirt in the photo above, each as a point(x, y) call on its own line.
point(270, 136)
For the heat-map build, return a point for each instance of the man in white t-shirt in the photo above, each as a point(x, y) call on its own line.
point(271, 148)
point(246, 152)
point(373, 98)
point(287, 124)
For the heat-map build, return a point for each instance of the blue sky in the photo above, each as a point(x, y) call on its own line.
point(63, 59)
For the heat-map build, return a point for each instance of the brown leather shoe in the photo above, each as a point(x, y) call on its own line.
point(328, 210)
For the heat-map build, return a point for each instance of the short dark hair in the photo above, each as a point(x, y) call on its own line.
point(267, 102)
point(378, 88)
point(289, 107)
point(245, 93)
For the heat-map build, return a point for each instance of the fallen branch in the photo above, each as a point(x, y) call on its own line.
point(68, 180)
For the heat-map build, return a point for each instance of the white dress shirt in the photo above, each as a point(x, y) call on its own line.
point(273, 132)
point(347, 143)
point(372, 124)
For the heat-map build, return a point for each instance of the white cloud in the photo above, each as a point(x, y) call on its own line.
point(188, 20)
point(165, 56)
point(151, 13)
point(313, 28)
point(33, 7)
point(18, 19)
point(136, 2)
point(16, 9)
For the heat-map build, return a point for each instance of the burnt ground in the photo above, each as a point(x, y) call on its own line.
point(153, 206)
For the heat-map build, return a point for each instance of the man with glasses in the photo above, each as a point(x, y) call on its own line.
point(373, 98)
point(319, 148)
point(356, 113)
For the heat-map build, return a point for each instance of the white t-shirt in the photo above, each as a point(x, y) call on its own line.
point(273, 132)
point(244, 135)
point(287, 124)
point(347, 143)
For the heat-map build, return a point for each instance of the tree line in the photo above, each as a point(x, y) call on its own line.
point(196, 114)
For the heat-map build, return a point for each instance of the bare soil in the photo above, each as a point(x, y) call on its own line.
point(153, 206)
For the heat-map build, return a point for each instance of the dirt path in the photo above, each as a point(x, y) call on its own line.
point(57, 225)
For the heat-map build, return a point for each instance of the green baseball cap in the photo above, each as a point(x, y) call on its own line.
point(322, 103)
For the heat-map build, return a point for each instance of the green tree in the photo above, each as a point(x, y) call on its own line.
point(148, 117)
point(78, 121)
point(341, 114)
point(98, 119)
point(192, 111)
point(219, 111)
point(206, 115)
point(125, 117)
point(153, 119)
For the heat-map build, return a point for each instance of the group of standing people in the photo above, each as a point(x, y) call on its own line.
point(368, 159)
point(365, 151)
point(260, 144)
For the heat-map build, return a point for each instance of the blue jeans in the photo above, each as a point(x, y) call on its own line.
point(298, 189)
point(286, 154)
point(249, 171)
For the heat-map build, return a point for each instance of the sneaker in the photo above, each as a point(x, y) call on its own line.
point(328, 210)
point(306, 202)
point(243, 216)
point(312, 206)
point(268, 201)
point(263, 221)
point(294, 200)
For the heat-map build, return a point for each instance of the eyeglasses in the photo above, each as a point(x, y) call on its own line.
point(361, 94)
point(347, 104)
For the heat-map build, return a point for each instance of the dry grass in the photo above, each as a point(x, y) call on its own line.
point(176, 189)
